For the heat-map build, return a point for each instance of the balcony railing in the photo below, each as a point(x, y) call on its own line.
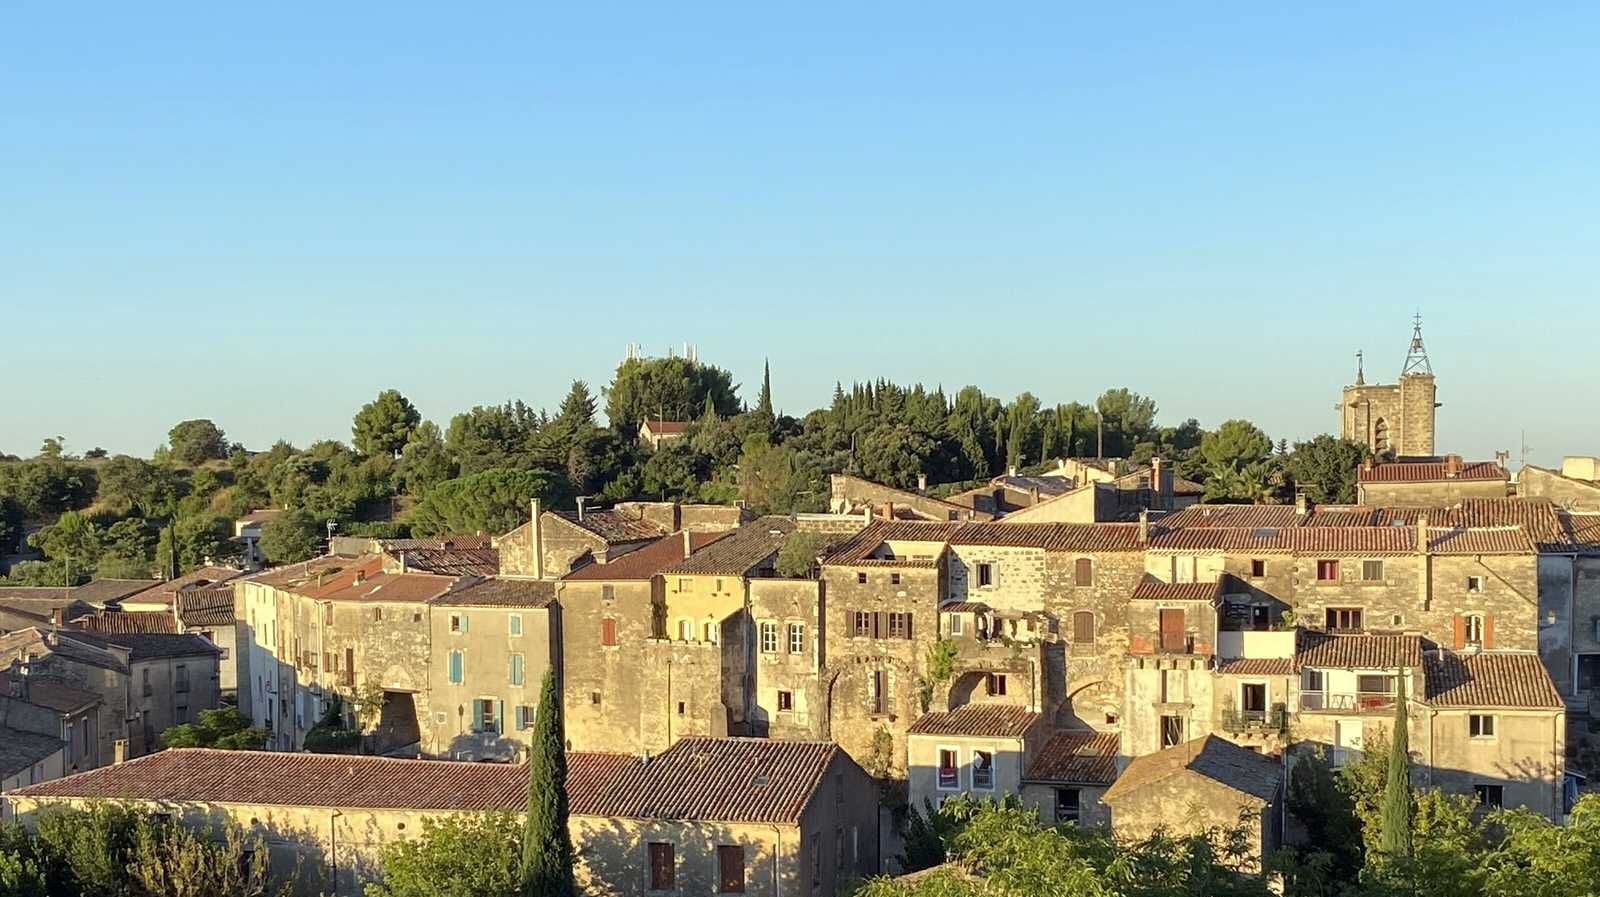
point(1358, 701)
point(1275, 719)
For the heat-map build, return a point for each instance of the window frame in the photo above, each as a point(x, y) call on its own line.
point(1475, 584)
point(457, 669)
point(768, 636)
point(984, 573)
point(990, 683)
point(1331, 567)
point(1472, 629)
point(1080, 578)
point(727, 854)
point(940, 770)
point(1075, 813)
point(796, 633)
point(987, 769)
point(1077, 616)
point(514, 625)
point(1490, 796)
point(1481, 726)
point(1344, 614)
point(1365, 562)
point(663, 865)
point(785, 701)
point(1258, 568)
point(516, 672)
point(608, 632)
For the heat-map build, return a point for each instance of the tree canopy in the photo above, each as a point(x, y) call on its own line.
point(385, 424)
point(197, 441)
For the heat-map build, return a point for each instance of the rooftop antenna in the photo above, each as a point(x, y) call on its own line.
point(1416, 356)
point(1361, 377)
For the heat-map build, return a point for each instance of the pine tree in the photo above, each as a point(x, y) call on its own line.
point(1396, 808)
point(546, 843)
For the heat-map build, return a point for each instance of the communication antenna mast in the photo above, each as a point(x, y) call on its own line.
point(1417, 357)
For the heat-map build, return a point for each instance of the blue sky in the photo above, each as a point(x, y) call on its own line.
point(264, 216)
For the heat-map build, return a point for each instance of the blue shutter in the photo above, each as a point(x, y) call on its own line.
point(455, 667)
point(463, 622)
point(477, 716)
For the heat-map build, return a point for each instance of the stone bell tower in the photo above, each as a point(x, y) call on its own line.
point(1393, 419)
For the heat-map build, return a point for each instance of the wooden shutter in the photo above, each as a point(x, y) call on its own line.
point(662, 867)
point(880, 625)
point(908, 624)
point(1488, 631)
point(1083, 572)
point(1460, 631)
point(1172, 629)
point(608, 631)
point(730, 866)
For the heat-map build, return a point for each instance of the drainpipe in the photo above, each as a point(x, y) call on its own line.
point(777, 854)
point(333, 847)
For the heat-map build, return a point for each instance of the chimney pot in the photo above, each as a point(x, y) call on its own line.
point(580, 507)
point(1144, 526)
point(1300, 502)
point(688, 546)
point(119, 750)
point(922, 482)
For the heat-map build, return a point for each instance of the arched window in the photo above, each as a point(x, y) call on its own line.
point(1083, 627)
point(1380, 436)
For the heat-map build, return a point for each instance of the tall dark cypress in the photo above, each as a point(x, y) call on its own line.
point(764, 404)
point(546, 843)
point(1396, 807)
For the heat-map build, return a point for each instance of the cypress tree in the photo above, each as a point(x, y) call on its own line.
point(546, 843)
point(1396, 808)
point(764, 404)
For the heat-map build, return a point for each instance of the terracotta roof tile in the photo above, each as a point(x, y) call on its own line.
point(120, 622)
point(614, 526)
point(1357, 651)
point(1257, 666)
point(448, 561)
point(644, 563)
point(1088, 758)
point(1499, 540)
point(496, 592)
point(207, 606)
point(51, 693)
point(78, 647)
point(20, 749)
point(163, 592)
point(964, 607)
point(1430, 471)
point(107, 591)
point(152, 645)
point(1490, 680)
point(739, 552)
point(856, 550)
point(993, 720)
point(1215, 758)
point(1074, 537)
point(1152, 589)
point(722, 780)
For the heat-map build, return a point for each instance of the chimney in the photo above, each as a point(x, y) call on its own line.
point(1422, 533)
point(536, 534)
point(1300, 505)
point(1011, 471)
point(55, 616)
point(1452, 465)
point(361, 575)
point(688, 546)
point(119, 750)
point(580, 507)
point(1033, 495)
point(1367, 463)
point(888, 511)
point(922, 482)
point(1144, 526)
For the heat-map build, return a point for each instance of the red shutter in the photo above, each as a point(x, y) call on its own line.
point(1460, 632)
point(608, 631)
point(1488, 631)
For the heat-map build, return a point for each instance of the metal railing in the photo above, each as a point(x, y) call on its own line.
point(1275, 719)
point(1358, 701)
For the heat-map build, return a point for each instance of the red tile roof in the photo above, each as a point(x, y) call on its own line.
point(1215, 758)
point(534, 593)
point(51, 693)
point(964, 607)
point(111, 622)
point(1357, 651)
point(1073, 537)
point(1430, 471)
point(1257, 666)
point(982, 720)
point(739, 552)
point(448, 561)
point(666, 427)
point(644, 563)
point(163, 592)
point(722, 780)
point(1490, 680)
point(855, 550)
point(1152, 589)
point(614, 526)
point(207, 606)
point(1088, 758)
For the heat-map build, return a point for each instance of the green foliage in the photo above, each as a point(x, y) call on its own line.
point(20, 876)
point(1238, 463)
point(330, 735)
point(87, 852)
point(674, 472)
point(73, 535)
point(197, 441)
point(1325, 468)
point(493, 437)
point(199, 539)
point(462, 855)
point(797, 557)
point(778, 479)
point(59, 572)
point(941, 659)
point(671, 388)
point(493, 501)
point(384, 425)
point(425, 461)
point(291, 537)
point(11, 520)
point(174, 861)
point(225, 728)
point(1396, 835)
point(47, 486)
point(546, 869)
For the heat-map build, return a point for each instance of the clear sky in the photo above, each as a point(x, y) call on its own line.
point(264, 214)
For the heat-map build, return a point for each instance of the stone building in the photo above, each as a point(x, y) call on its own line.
point(1203, 784)
point(1393, 419)
point(1067, 777)
point(554, 543)
point(849, 494)
point(172, 678)
point(706, 816)
point(32, 703)
point(1428, 482)
point(977, 749)
point(1576, 486)
point(86, 665)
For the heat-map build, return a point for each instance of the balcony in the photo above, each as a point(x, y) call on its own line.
point(1274, 720)
point(1348, 702)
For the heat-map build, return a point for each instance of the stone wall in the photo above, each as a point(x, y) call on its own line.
point(1417, 404)
point(1093, 681)
point(1092, 811)
point(1579, 495)
point(614, 674)
point(1526, 757)
point(447, 716)
point(784, 603)
point(166, 705)
point(1430, 493)
point(1166, 686)
point(1362, 407)
point(1188, 803)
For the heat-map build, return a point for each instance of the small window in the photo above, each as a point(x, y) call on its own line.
point(681, 708)
point(1083, 627)
point(1472, 629)
point(1480, 725)
point(894, 579)
point(609, 593)
point(662, 867)
point(949, 774)
point(996, 683)
point(1258, 568)
point(711, 632)
point(900, 624)
point(797, 638)
point(182, 675)
point(1171, 731)
point(516, 669)
point(685, 631)
point(983, 770)
point(1327, 571)
point(769, 637)
point(458, 623)
point(985, 575)
point(608, 632)
point(730, 868)
point(861, 579)
point(1083, 572)
point(683, 585)
point(1372, 571)
point(486, 718)
point(377, 614)
point(525, 716)
point(785, 701)
point(1474, 584)
point(1343, 619)
point(594, 698)
point(955, 624)
point(1069, 803)
point(514, 625)
point(416, 617)
point(1490, 795)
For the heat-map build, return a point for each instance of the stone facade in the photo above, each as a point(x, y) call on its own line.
point(1565, 491)
point(1187, 802)
point(1008, 761)
point(503, 654)
point(610, 691)
point(1395, 418)
point(788, 700)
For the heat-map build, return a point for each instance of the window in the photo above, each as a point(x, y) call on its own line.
point(608, 592)
point(861, 579)
point(661, 866)
point(1069, 804)
point(484, 711)
point(860, 624)
point(681, 708)
point(455, 667)
point(1480, 725)
point(1372, 571)
point(1472, 629)
point(983, 770)
point(985, 575)
point(1171, 731)
point(416, 617)
point(1474, 584)
point(514, 625)
point(1327, 571)
point(525, 716)
point(1083, 627)
point(683, 585)
point(1253, 700)
point(1258, 568)
point(608, 632)
point(878, 692)
point(730, 868)
point(785, 702)
point(996, 683)
point(955, 624)
point(711, 632)
point(1083, 572)
point(148, 691)
point(594, 698)
point(516, 669)
point(1490, 795)
point(1174, 634)
point(769, 638)
point(377, 614)
point(900, 624)
point(1376, 687)
point(327, 614)
point(894, 579)
point(1343, 619)
point(685, 630)
point(797, 638)
point(182, 675)
point(949, 775)
point(458, 622)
